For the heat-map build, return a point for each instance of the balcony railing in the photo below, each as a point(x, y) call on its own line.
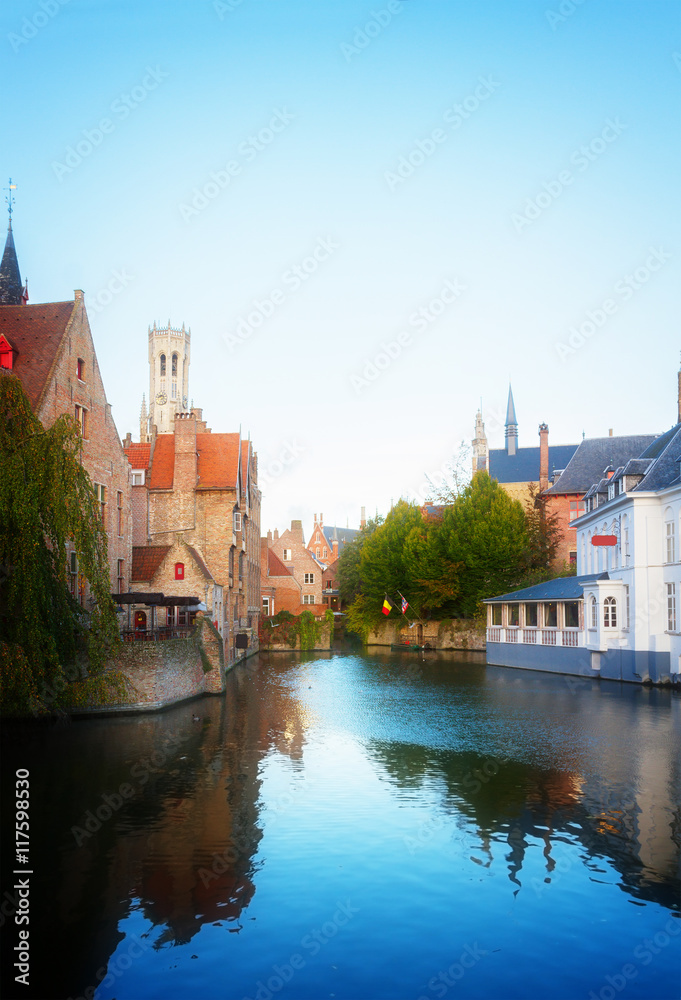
point(157, 634)
point(536, 636)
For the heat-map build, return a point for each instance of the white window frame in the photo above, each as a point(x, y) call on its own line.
point(309, 578)
point(671, 607)
point(593, 603)
point(137, 477)
point(287, 555)
point(627, 606)
point(610, 612)
point(308, 599)
point(237, 520)
point(266, 606)
point(670, 540)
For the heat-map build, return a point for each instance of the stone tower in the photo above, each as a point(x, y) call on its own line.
point(169, 354)
point(480, 447)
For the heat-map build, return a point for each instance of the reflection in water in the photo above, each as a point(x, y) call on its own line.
point(163, 833)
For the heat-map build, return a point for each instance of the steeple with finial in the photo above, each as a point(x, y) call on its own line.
point(511, 425)
point(12, 292)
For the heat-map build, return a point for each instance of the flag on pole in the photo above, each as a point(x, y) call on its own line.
point(405, 604)
point(387, 606)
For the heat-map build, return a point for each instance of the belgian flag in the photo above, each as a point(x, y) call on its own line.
point(387, 606)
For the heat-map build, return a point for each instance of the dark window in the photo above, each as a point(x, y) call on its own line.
point(571, 614)
point(531, 615)
point(174, 365)
point(514, 614)
point(80, 369)
point(163, 365)
point(551, 614)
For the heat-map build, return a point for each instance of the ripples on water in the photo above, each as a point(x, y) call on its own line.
point(365, 827)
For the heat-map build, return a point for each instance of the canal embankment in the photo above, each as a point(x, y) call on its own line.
point(447, 634)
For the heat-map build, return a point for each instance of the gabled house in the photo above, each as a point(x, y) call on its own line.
point(50, 349)
point(306, 571)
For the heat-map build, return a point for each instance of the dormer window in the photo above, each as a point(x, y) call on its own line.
point(6, 354)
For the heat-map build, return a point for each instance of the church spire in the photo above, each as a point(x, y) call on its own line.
point(511, 425)
point(11, 289)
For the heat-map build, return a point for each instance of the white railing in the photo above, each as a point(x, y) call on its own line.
point(536, 636)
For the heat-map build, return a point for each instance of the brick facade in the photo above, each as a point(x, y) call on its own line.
point(201, 492)
point(301, 587)
point(55, 359)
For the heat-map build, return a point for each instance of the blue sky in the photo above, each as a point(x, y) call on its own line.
point(414, 202)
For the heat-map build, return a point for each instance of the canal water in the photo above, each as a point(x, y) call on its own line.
point(359, 827)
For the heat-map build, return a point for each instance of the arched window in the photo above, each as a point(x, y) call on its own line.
point(179, 571)
point(594, 612)
point(174, 365)
point(610, 612)
point(162, 359)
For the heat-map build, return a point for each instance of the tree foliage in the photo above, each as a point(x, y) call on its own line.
point(349, 575)
point(481, 543)
point(46, 501)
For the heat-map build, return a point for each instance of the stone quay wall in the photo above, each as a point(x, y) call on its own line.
point(448, 634)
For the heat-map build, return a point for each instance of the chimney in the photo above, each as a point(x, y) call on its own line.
point(269, 538)
point(363, 517)
point(543, 456)
point(610, 432)
point(185, 474)
point(275, 537)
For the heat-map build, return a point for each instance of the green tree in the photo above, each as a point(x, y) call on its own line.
point(485, 534)
point(47, 500)
point(348, 574)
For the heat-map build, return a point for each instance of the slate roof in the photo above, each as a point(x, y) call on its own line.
point(523, 467)
point(10, 278)
point(138, 455)
point(564, 588)
point(664, 471)
point(275, 566)
point(592, 458)
point(217, 466)
point(343, 534)
point(146, 559)
point(35, 333)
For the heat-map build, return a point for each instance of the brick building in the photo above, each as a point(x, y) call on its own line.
point(49, 347)
point(302, 567)
point(196, 506)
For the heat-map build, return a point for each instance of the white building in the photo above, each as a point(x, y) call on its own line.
point(619, 618)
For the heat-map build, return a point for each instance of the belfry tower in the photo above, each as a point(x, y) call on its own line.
point(169, 354)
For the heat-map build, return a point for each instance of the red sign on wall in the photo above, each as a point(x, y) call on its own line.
point(604, 540)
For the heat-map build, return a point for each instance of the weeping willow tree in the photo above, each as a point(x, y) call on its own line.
point(47, 503)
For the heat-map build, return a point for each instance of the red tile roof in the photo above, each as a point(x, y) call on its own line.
point(138, 455)
point(163, 463)
point(218, 460)
point(35, 333)
point(275, 566)
point(146, 559)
